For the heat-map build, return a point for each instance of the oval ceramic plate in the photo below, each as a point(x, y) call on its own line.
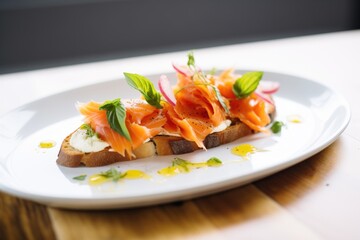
point(314, 117)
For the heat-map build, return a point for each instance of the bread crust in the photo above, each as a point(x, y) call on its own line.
point(159, 145)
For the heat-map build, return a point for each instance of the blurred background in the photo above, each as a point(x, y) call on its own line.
point(38, 34)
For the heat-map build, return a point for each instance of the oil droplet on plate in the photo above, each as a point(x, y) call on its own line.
point(244, 150)
point(97, 179)
point(135, 174)
point(171, 171)
point(294, 118)
point(47, 144)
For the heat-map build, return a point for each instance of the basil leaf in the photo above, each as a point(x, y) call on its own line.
point(146, 87)
point(246, 84)
point(116, 114)
point(277, 126)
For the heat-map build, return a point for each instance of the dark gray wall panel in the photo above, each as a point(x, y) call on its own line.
point(48, 33)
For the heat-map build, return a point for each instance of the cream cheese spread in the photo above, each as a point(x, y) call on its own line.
point(222, 126)
point(82, 142)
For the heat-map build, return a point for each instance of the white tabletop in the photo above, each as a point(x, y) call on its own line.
point(326, 57)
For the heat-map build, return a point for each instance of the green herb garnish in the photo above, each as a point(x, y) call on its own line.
point(220, 99)
point(212, 71)
point(89, 131)
point(191, 60)
point(80, 177)
point(116, 114)
point(113, 174)
point(181, 163)
point(277, 126)
point(213, 162)
point(247, 84)
point(145, 87)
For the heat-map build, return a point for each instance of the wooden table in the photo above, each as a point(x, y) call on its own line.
point(318, 198)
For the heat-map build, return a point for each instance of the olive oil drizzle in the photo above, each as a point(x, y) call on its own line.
point(183, 166)
point(178, 166)
point(101, 178)
point(244, 150)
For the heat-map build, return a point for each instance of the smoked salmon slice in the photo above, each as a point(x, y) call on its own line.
point(143, 122)
point(251, 111)
point(196, 113)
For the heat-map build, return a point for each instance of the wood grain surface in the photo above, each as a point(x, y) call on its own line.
point(318, 198)
point(21, 219)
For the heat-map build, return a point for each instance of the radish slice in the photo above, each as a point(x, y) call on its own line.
point(269, 87)
point(182, 70)
point(166, 90)
point(264, 97)
point(185, 70)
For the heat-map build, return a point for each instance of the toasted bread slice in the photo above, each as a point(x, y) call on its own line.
point(159, 145)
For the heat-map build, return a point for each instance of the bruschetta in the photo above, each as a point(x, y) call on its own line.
point(202, 111)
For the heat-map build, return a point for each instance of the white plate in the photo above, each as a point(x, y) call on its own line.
point(30, 172)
